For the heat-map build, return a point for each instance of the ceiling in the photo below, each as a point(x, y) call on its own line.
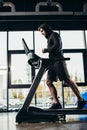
point(29, 5)
point(23, 14)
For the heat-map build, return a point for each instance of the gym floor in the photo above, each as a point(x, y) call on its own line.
point(7, 122)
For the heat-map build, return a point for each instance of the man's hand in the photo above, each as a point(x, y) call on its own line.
point(43, 51)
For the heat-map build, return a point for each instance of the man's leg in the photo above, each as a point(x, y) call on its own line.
point(56, 103)
point(74, 87)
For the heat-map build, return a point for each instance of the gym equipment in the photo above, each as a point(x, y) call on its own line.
point(34, 114)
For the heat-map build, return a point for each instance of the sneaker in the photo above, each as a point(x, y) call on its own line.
point(56, 106)
point(81, 104)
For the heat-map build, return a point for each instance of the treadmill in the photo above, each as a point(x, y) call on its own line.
point(34, 114)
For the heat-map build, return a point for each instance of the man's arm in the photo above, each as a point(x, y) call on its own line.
point(57, 44)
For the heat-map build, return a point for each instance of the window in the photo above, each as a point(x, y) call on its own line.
point(20, 69)
point(15, 39)
point(3, 50)
point(75, 66)
point(71, 99)
point(21, 72)
point(40, 43)
point(72, 39)
point(3, 70)
point(17, 98)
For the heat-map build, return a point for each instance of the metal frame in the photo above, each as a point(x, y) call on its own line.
point(30, 20)
point(56, 4)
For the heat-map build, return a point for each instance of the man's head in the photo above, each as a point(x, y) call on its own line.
point(42, 31)
point(45, 29)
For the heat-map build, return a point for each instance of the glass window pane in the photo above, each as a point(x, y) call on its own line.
point(15, 39)
point(72, 39)
point(20, 69)
point(75, 66)
point(3, 89)
point(70, 98)
point(40, 43)
point(3, 50)
point(17, 98)
point(3, 70)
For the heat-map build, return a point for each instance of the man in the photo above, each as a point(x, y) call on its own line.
point(59, 69)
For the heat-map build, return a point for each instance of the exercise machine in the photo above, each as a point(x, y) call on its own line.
point(34, 114)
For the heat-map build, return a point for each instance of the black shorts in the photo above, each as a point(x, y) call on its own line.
point(58, 71)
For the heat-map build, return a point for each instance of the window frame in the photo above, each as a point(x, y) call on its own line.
point(84, 54)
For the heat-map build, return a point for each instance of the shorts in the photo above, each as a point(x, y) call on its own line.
point(58, 71)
